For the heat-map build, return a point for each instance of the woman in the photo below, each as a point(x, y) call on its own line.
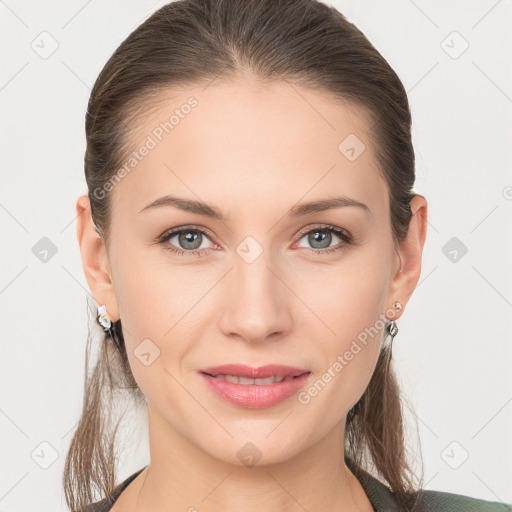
point(251, 219)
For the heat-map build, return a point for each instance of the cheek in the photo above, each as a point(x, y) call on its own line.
point(349, 305)
point(345, 300)
point(158, 304)
point(154, 296)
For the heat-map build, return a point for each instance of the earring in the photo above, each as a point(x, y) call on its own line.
point(104, 319)
point(392, 328)
point(397, 306)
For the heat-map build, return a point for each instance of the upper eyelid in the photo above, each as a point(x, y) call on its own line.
point(323, 227)
point(176, 231)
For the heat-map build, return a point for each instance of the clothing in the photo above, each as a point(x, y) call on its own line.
point(380, 496)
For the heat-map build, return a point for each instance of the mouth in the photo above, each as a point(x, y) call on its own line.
point(255, 388)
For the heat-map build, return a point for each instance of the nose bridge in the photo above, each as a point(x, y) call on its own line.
point(254, 280)
point(257, 306)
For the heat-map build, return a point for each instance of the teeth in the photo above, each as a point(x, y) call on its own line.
point(244, 380)
point(247, 382)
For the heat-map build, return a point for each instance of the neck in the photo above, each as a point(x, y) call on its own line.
point(181, 476)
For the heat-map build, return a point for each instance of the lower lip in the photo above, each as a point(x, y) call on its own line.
point(253, 396)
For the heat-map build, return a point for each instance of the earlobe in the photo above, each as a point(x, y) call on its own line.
point(409, 253)
point(95, 259)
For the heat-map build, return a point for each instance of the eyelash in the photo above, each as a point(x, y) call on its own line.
point(343, 235)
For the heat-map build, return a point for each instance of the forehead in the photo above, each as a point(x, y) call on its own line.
point(234, 143)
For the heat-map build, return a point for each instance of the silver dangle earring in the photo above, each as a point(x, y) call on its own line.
point(392, 328)
point(104, 319)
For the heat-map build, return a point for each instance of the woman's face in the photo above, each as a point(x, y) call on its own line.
point(259, 287)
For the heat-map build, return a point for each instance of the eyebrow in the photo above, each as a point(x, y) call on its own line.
point(208, 210)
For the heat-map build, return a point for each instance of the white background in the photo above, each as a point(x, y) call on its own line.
point(453, 351)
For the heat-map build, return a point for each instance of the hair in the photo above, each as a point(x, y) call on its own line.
point(189, 43)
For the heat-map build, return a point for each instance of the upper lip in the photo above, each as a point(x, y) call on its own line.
point(255, 373)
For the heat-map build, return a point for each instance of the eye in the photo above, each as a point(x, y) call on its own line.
point(190, 241)
point(321, 237)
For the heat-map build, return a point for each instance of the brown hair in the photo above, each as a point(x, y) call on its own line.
point(192, 42)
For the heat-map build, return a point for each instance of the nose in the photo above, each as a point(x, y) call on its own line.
point(255, 303)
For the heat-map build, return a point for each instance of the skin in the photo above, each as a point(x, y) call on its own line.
point(253, 151)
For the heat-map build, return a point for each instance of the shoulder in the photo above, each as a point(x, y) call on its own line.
point(383, 500)
point(439, 501)
point(107, 503)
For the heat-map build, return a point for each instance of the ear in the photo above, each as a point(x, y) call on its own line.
point(95, 259)
point(409, 253)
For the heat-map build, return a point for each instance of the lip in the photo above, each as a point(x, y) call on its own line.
point(253, 396)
